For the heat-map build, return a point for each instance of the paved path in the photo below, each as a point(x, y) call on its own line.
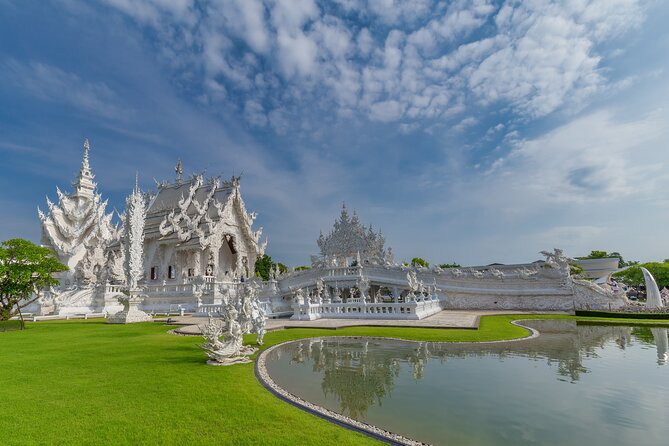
point(443, 319)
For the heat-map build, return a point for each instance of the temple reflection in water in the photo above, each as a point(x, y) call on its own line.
point(361, 373)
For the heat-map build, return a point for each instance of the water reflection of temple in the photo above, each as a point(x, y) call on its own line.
point(361, 373)
point(356, 375)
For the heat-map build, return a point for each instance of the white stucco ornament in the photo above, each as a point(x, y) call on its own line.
point(133, 244)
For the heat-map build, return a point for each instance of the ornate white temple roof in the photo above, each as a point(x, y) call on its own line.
point(199, 212)
point(349, 238)
point(78, 228)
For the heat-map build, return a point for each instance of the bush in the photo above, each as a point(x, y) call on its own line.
point(10, 325)
point(633, 276)
point(594, 313)
point(417, 261)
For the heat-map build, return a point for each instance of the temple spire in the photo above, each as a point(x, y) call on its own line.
point(84, 185)
point(179, 169)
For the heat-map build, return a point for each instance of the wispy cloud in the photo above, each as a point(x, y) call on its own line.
point(52, 84)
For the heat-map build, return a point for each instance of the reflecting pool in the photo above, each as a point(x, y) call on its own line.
point(574, 384)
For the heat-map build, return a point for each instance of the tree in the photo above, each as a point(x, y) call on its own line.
point(633, 276)
point(264, 266)
point(603, 255)
point(302, 268)
point(574, 269)
point(25, 269)
point(449, 265)
point(417, 261)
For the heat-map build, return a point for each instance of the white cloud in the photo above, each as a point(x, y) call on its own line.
point(385, 111)
point(536, 56)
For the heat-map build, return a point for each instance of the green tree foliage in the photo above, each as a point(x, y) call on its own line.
point(417, 261)
point(574, 269)
point(25, 269)
point(603, 255)
point(633, 276)
point(302, 268)
point(449, 265)
point(264, 266)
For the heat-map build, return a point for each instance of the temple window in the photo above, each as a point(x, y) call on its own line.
point(154, 273)
point(191, 273)
point(171, 274)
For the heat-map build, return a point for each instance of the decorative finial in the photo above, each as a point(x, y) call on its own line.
point(136, 181)
point(84, 184)
point(179, 169)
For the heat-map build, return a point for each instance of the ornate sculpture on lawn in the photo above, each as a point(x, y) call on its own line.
point(133, 246)
point(246, 316)
point(230, 350)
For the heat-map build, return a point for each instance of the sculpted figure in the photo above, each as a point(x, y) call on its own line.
point(496, 273)
point(557, 260)
point(363, 287)
point(527, 274)
point(414, 285)
point(258, 321)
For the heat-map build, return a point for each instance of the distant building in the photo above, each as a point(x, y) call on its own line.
point(598, 268)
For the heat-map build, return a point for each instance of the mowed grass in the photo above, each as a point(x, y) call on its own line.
point(87, 382)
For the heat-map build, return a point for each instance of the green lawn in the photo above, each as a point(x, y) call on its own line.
point(87, 382)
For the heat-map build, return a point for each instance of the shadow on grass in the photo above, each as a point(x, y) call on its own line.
point(10, 326)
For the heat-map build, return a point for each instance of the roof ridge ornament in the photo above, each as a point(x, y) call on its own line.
point(84, 185)
point(179, 169)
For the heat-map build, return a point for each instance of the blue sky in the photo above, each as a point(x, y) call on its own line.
point(473, 131)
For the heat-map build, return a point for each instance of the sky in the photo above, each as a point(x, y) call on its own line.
point(469, 131)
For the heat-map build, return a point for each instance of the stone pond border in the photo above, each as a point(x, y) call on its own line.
point(374, 432)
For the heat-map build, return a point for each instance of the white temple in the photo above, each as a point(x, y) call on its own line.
point(199, 246)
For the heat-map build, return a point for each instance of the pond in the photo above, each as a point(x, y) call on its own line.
point(574, 384)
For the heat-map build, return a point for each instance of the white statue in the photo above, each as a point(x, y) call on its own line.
point(228, 351)
point(653, 297)
point(557, 260)
point(299, 296)
point(363, 287)
point(258, 321)
point(414, 285)
point(496, 273)
point(251, 313)
point(527, 274)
